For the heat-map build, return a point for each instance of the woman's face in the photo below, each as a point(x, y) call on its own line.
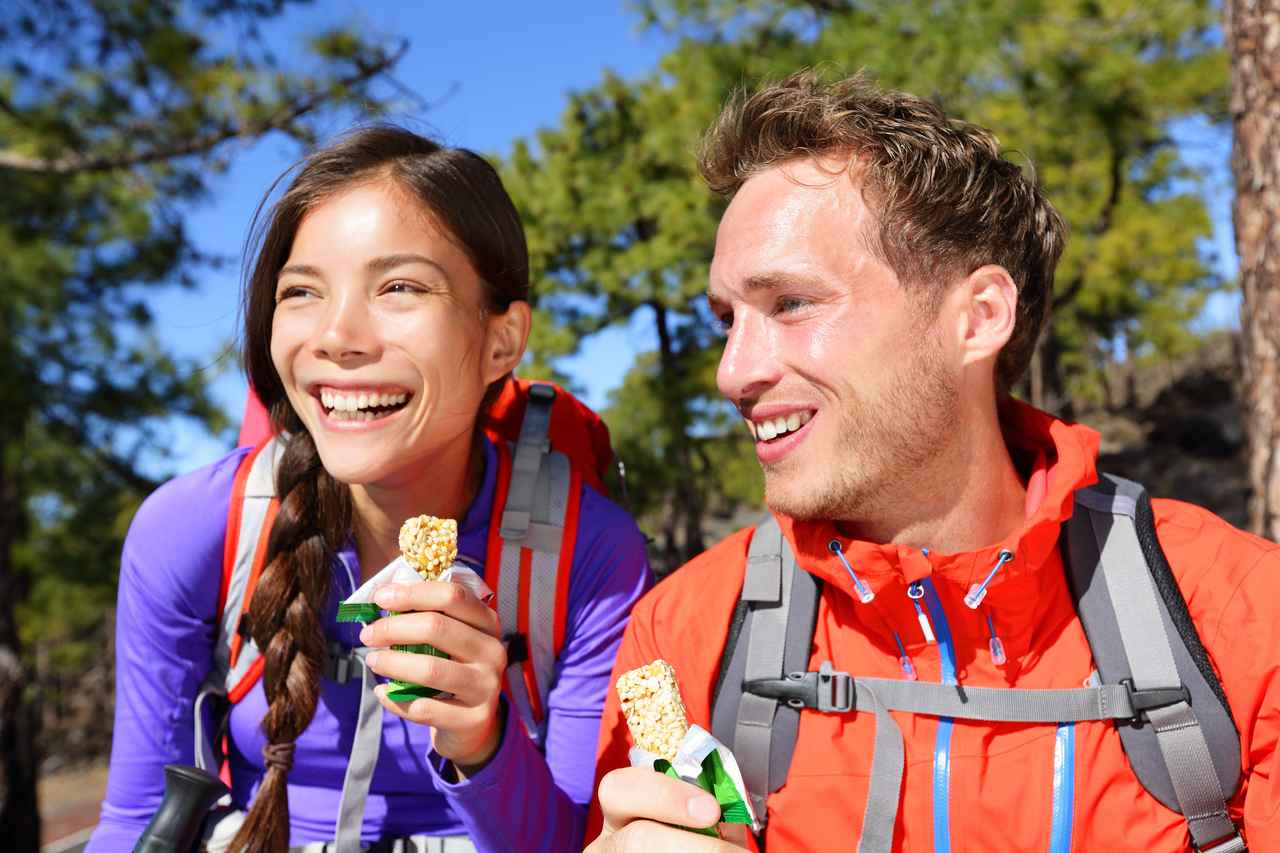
point(381, 338)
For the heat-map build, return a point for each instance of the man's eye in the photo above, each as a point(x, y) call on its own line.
point(788, 303)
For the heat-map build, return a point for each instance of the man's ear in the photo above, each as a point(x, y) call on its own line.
point(505, 340)
point(988, 312)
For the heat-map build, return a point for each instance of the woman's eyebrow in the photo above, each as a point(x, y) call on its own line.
point(386, 263)
point(300, 269)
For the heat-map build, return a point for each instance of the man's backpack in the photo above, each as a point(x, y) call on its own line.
point(1154, 675)
point(548, 443)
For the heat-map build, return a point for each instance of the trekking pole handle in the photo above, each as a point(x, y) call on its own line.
point(189, 792)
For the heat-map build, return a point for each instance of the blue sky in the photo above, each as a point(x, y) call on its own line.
point(492, 72)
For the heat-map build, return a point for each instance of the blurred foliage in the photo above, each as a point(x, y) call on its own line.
point(114, 116)
point(1088, 91)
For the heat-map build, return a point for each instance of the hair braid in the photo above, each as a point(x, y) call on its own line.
point(284, 617)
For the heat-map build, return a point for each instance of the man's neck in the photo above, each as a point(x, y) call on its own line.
point(970, 497)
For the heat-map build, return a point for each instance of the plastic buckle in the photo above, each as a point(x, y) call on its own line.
point(338, 666)
point(1142, 701)
point(826, 690)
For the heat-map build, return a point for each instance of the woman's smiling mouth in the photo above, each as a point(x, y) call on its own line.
point(360, 404)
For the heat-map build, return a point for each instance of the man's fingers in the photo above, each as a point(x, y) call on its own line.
point(645, 836)
point(638, 793)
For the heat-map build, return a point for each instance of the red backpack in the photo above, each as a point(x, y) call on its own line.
point(548, 443)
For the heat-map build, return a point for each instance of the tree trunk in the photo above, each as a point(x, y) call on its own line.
point(19, 815)
point(687, 510)
point(1253, 36)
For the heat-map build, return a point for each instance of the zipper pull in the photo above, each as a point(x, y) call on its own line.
point(915, 592)
point(865, 595)
point(997, 647)
point(978, 591)
point(908, 668)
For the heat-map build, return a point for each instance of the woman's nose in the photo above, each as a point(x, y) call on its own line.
point(347, 332)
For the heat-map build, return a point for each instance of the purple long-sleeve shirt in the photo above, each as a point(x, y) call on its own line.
point(170, 575)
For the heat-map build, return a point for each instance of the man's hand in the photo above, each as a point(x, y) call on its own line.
point(637, 803)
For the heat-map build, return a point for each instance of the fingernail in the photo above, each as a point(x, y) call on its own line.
point(387, 596)
point(366, 635)
point(371, 660)
point(704, 810)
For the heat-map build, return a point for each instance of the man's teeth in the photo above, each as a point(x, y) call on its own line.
point(355, 402)
point(774, 427)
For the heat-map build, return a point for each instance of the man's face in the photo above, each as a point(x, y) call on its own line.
point(845, 380)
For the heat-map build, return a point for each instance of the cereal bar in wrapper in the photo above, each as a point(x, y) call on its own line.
point(655, 714)
point(428, 551)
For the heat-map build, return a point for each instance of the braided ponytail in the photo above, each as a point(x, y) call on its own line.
point(284, 619)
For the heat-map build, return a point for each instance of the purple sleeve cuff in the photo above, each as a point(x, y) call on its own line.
point(513, 802)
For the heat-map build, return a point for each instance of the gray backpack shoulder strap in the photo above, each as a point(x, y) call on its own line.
point(774, 625)
point(533, 521)
point(1187, 754)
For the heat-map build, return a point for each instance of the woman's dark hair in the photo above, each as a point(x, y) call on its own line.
point(462, 193)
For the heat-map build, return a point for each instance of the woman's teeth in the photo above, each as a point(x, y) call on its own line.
point(360, 406)
point(770, 429)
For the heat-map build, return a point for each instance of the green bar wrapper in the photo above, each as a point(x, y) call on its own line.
point(715, 780)
point(401, 691)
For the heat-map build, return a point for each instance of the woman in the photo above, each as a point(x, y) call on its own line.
point(388, 301)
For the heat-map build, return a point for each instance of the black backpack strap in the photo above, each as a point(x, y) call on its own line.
point(771, 634)
point(1187, 755)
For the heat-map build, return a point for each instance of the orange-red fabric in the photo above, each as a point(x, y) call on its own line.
point(575, 430)
point(1001, 773)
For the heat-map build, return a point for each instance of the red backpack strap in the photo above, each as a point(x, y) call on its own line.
point(249, 519)
point(531, 538)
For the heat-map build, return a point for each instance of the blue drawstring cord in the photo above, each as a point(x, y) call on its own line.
point(865, 595)
point(997, 647)
point(977, 592)
point(908, 668)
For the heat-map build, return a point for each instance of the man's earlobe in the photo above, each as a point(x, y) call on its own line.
point(991, 312)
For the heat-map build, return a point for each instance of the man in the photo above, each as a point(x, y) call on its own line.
point(883, 275)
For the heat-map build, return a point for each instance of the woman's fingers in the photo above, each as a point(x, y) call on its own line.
point(441, 596)
point(472, 685)
point(444, 631)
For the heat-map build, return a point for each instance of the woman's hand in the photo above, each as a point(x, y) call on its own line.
point(465, 729)
point(638, 804)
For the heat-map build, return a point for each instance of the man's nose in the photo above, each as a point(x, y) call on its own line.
point(749, 363)
point(347, 331)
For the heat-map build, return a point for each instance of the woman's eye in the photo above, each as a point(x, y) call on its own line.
point(292, 293)
point(402, 287)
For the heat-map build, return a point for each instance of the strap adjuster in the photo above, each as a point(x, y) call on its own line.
point(1233, 843)
point(337, 664)
point(826, 690)
point(542, 392)
point(1142, 701)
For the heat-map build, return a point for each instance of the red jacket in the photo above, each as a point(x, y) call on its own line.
point(1001, 774)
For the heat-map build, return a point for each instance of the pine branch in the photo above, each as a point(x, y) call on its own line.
point(79, 163)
